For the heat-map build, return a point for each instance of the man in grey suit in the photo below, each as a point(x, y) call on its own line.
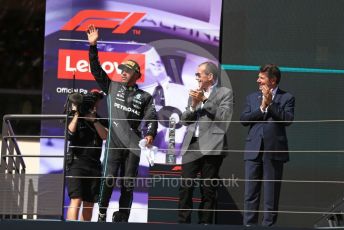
point(267, 113)
point(207, 117)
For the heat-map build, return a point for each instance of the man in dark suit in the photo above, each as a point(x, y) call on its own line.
point(267, 113)
point(204, 141)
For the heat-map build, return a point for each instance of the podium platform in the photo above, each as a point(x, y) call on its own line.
point(58, 225)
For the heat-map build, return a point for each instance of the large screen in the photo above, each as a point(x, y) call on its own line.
point(168, 40)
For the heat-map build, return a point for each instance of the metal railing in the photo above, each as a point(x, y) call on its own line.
point(13, 167)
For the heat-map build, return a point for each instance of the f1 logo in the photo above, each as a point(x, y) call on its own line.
point(123, 21)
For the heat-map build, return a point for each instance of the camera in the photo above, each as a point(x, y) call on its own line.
point(84, 102)
point(88, 103)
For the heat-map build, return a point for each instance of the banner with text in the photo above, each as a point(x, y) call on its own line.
point(167, 39)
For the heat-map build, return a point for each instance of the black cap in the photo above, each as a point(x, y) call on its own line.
point(130, 64)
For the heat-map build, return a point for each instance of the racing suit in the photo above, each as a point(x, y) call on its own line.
point(127, 108)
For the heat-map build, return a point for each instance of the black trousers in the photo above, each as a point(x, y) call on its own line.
point(208, 167)
point(122, 163)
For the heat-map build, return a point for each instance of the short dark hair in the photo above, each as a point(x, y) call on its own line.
point(211, 67)
point(272, 71)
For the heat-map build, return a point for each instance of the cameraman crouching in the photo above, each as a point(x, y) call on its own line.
point(86, 137)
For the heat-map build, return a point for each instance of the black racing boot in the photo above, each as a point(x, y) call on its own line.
point(120, 217)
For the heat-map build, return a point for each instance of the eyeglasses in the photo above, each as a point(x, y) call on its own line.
point(199, 74)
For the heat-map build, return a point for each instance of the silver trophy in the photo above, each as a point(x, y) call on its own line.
point(171, 153)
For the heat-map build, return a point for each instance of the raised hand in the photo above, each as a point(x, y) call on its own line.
point(92, 34)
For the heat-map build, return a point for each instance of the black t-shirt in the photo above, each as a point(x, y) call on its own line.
point(85, 143)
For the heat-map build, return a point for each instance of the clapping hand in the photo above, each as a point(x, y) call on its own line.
point(197, 96)
point(267, 96)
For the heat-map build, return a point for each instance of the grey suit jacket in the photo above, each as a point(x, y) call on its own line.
point(218, 107)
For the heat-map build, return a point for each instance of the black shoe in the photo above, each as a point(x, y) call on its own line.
point(120, 217)
point(101, 217)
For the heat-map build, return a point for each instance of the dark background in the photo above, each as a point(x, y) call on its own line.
point(290, 33)
point(21, 60)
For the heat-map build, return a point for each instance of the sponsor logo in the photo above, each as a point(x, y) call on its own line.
point(121, 90)
point(121, 21)
point(136, 106)
point(127, 109)
point(65, 90)
point(78, 61)
point(137, 101)
point(187, 29)
point(120, 99)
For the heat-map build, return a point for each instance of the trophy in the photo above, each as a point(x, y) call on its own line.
point(171, 154)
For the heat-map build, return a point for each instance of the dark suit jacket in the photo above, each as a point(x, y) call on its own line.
point(218, 107)
point(272, 134)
